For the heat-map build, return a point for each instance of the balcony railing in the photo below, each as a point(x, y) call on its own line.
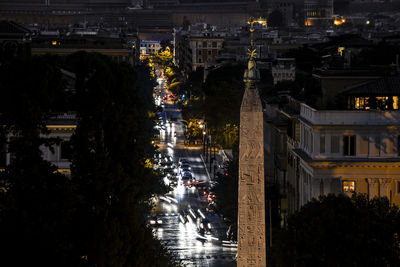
point(349, 117)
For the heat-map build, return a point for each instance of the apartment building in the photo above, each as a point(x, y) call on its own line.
point(355, 150)
point(197, 46)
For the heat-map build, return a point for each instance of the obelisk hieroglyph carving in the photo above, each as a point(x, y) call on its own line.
point(251, 213)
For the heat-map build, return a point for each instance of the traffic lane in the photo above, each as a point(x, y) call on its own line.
point(185, 242)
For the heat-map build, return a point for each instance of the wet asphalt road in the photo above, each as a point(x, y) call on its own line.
point(182, 208)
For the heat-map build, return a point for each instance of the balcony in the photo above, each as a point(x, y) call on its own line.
point(349, 117)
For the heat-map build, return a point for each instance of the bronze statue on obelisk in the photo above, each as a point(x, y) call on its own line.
point(251, 199)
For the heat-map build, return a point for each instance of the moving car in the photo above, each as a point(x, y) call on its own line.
point(155, 221)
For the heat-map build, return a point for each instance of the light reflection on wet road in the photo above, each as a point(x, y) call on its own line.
point(180, 231)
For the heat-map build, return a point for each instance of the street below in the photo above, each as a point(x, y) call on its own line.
point(183, 219)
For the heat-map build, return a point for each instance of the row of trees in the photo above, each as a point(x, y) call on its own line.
point(95, 217)
point(218, 102)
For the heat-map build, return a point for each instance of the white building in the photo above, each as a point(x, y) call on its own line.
point(346, 151)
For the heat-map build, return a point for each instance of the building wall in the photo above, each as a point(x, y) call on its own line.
point(342, 152)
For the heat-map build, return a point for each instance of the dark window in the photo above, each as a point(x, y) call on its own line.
point(66, 151)
point(335, 144)
point(209, 52)
point(322, 144)
point(398, 187)
point(398, 145)
point(377, 145)
point(349, 145)
point(214, 44)
point(199, 52)
point(3, 156)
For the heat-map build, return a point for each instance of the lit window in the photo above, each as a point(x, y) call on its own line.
point(361, 102)
point(382, 102)
point(349, 186)
point(395, 102)
point(349, 145)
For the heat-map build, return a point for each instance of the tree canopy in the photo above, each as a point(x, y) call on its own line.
point(341, 231)
point(219, 103)
point(95, 217)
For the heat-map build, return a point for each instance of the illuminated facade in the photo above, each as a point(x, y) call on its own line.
point(345, 151)
point(318, 12)
point(62, 127)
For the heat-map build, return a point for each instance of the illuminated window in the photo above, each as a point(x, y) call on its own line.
point(382, 102)
point(395, 102)
point(361, 103)
point(340, 50)
point(349, 186)
point(349, 145)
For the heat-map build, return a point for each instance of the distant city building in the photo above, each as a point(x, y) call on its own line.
point(351, 146)
point(196, 46)
point(120, 49)
point(149, 47)
point(318, 12)
point(284, 70)
point(60, 126)
point(15, 40)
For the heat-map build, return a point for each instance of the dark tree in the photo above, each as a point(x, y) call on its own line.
point(226, 190)
point(275, 19)
point(110, 148)
point(341, 231)
point(37, 204)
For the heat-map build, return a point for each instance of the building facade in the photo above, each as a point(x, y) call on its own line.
point(149, 47)
point(284, 70)
point(346, 151)
point(194, 48)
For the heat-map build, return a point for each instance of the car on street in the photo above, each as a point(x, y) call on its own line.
point(155, 221)
point(187, 177)
point(182, 161)
point(204, 225)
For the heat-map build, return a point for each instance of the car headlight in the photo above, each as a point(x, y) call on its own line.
point(159, 221)
point(152, 222)
point(209, 225)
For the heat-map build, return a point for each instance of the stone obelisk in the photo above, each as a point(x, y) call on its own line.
point(251, 213)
